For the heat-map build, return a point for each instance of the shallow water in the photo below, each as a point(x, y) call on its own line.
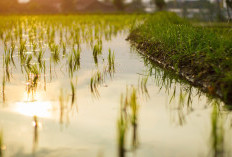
point(174, 119)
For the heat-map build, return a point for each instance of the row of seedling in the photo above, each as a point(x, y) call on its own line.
point(32, 39)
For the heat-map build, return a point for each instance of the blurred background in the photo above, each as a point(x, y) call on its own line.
point(206, 10)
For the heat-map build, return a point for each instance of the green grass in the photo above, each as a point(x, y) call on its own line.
point(202, 53)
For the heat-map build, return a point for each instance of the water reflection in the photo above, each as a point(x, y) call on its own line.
point(63, 106)
point(38, 108)
point(65, 99)
point(181, 104)
point(142, 86)
point(180, 93)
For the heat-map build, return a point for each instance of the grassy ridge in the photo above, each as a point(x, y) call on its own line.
point(201, 53)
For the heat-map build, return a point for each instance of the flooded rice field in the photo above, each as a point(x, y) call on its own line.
point(73, 86)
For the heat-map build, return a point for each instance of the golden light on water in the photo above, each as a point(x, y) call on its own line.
point(37, 107)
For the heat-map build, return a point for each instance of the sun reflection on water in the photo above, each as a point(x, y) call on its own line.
point(37, 107)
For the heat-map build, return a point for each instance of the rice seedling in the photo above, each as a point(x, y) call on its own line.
point(73, 91)
point(134, 106)
point(96, 80)
point(74, 61)
point(128, 118)
point(55, 53)
point(39, 59)
point(70, 63)
point(21, 52)
point(111, 65)
point(12, 53)
point(28, 63)
point(122, 126)
point(32, 82)
point(76, 57)
point(97, 50)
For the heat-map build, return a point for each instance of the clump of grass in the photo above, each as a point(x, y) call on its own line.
point(201, 53)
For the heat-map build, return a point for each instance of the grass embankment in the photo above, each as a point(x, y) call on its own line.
point(203, 55)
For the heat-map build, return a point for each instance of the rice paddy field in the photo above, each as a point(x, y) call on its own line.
point(73, 86)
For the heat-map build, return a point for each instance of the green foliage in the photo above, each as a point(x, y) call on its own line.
point(203, 52)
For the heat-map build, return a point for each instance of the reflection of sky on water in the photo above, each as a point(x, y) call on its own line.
point(92, 130)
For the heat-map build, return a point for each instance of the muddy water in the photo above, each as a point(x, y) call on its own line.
point(174, 119)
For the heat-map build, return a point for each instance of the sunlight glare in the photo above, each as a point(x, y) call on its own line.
point(39, 109)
